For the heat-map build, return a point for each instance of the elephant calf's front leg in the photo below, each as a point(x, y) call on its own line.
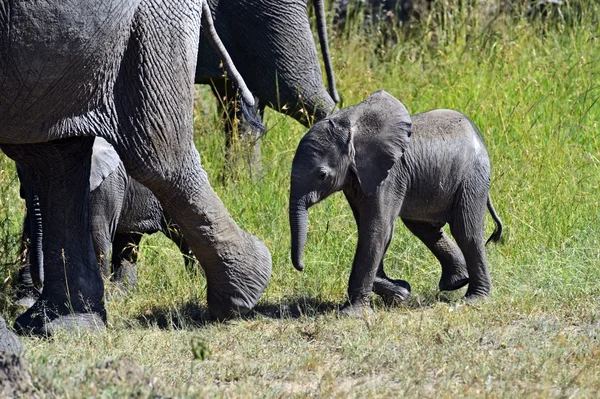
point(374, 234)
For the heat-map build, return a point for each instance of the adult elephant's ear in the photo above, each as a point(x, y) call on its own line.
point(379, 134)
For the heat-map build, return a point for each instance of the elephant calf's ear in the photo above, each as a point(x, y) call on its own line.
point(381, 129)
point(105, 161)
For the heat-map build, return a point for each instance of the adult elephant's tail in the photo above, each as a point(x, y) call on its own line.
point(497, 234)
point(322, 31)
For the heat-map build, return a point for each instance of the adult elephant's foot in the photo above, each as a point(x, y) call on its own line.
point(356, 308)
point(454, 281)
point(44, 318)
point(239, 278)
point(391, 291)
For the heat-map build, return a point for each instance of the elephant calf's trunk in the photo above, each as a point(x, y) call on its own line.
point(298, 228)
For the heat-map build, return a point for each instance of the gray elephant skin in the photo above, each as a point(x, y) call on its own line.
point(9, 342)
point(122, 70)
point(430, 170)
point(272, 45)
point(122, 211)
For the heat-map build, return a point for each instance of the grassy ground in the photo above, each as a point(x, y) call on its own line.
point(534, 92)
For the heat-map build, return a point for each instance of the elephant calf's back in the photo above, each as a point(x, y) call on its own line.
point(445, 156)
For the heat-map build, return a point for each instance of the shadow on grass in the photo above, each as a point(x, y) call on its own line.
point(192, 315)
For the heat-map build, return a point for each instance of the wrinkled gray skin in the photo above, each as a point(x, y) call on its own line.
point(122, 211)
point(271, 43)
point(122, 70)
point(438, 174)
point(9, 342)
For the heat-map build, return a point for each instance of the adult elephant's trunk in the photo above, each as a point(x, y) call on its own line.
point(36, 255)
point(298, 228)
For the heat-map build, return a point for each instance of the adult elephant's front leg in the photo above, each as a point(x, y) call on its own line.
point(155, 142)
point(72, 296)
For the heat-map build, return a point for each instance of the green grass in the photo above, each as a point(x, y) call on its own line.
point(533, 89)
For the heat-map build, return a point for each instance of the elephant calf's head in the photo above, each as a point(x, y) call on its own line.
point(361, 142)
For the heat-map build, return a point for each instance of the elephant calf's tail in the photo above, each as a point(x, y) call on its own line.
point(497, 234)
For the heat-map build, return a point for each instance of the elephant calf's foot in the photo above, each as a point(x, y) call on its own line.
point(356, 309)
point(391, 291)
point(45, 319)
point(453, 282)
point(236, 284)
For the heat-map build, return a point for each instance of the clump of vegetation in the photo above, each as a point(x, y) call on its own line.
point(531, 85)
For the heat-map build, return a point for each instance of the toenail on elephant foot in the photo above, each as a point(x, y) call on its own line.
point(356, 309)
point(391, 291)
point(43, 319)
point(453, 283)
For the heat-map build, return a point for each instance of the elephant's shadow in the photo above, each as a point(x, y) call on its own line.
point(192, 315)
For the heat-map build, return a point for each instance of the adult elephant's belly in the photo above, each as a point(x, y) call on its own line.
point(58, 64)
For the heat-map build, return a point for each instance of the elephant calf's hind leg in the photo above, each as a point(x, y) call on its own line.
point(454, 267)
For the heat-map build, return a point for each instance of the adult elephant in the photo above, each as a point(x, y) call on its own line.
point(271, 43)
point(121, 210)
point(122, 70)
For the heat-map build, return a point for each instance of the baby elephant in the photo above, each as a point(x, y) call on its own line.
point(429, 171)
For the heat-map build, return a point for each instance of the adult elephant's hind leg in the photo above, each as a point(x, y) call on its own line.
point(240, 135)
point(72, 296)
point(454, 267)
point(124, 260)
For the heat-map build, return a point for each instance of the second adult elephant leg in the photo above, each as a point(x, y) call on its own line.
point(454, 267)
point(124, 259)
point(72, 295)
point(238, 133)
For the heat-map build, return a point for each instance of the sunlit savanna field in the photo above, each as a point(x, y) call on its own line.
point(533, 89)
